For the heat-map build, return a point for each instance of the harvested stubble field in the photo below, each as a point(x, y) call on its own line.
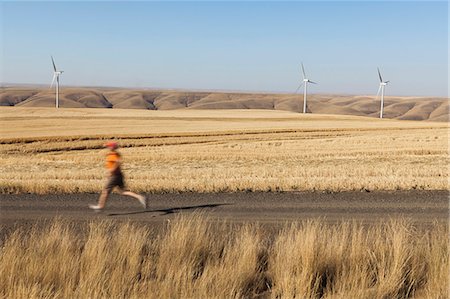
point(191, 258)
point(43, 150)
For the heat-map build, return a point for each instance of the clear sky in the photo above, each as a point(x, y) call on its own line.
point(247, 46)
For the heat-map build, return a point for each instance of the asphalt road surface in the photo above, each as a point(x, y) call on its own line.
point(422, 207)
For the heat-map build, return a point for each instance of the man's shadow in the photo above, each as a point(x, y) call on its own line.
point(172, 210)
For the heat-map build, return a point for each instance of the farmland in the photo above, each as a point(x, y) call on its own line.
point(47, 151)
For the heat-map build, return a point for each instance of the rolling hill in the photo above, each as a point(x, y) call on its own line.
point(405, 108)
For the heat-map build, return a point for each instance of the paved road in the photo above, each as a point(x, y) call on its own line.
point(420, 206)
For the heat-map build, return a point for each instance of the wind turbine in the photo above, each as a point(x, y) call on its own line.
point(305, 90)
point(382, 86)
point(56, 75)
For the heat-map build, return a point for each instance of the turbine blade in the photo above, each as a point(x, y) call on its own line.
point(53, 81)
point(299, 87)
point(312, 82)
point(379, 75)
point(387, 81)
point(378, 93)
point(303, 71)
point(54, 66)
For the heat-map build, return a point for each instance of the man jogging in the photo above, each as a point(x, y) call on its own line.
point(115, 179)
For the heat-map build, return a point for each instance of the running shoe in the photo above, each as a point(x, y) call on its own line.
point(96, 208)
point(143, 201)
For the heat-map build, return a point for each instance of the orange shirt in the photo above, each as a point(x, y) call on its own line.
point(111, 159)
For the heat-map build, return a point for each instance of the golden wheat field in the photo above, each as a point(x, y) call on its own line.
point(44, 150)
point(191, 258)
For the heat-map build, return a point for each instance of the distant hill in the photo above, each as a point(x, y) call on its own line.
point(408, 108)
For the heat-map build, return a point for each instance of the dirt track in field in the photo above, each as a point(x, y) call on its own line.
point(422, 207)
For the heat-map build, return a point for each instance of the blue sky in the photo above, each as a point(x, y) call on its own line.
point(247, 46)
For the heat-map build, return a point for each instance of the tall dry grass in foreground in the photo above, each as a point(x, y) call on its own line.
point(192, 258)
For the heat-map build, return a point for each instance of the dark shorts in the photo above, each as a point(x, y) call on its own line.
point(115, 180)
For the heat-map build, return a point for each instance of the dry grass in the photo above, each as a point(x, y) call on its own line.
point(191, 258)
point(211, 151)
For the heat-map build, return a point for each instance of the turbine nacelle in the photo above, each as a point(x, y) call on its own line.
point(57, 74)
point(308, 81)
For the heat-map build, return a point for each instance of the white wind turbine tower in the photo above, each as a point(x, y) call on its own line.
point(56, 75)
point(305, 89)
point(382, 86)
